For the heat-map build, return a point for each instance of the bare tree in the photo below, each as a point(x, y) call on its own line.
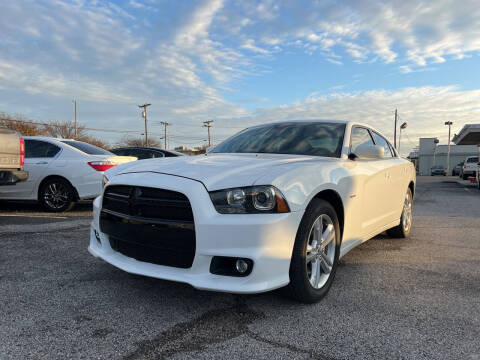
point(21, 124)
point(63, 129)
point(60, 129)
point(127, 140)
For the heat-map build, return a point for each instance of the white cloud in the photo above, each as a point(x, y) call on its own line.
point(425, 109)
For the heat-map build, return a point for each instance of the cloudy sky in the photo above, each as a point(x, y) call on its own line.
point(241, 63)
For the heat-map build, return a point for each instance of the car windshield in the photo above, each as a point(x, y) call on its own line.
point(472, 159)
point(87, 148)
point(296, 138)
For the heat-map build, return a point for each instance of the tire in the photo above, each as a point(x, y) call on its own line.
point(306, 283)
point(57, 195)
point(403, 229)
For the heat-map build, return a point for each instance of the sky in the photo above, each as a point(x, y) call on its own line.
point(241, 63)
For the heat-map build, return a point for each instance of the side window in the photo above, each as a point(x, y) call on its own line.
point(40, 149)
point(379, 140)
point(120, 152)
point(141, 154)
point(359, 137)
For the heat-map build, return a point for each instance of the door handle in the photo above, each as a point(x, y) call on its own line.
point(42, 163)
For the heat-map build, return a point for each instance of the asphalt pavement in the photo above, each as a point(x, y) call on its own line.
point(415, 298)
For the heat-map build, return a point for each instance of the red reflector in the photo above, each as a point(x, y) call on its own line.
point(22, 152)
point(101, 165)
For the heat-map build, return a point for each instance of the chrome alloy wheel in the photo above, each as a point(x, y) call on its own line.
point(407, 212)
point(320, 251)
point(56, 195)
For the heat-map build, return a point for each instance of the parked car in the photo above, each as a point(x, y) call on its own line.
point(478, 176)
point(469, 167)
point(457, 169)
point(437, 170)
point(275, 205)
point(12, 157)
point(142, 153)
point(61, 171)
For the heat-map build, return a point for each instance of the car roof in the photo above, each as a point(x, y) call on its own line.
point(148, 148)
point(47, 138)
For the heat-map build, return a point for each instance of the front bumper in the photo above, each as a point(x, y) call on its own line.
point(267, 239)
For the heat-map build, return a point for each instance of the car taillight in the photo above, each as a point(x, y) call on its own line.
point(101, 165)
point(465, 166)
point(22, 152)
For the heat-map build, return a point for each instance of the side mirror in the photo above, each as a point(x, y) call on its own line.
point(366, 151)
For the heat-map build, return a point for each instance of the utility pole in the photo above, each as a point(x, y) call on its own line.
point(395, 130)
point(449, 123)
point(208, 125)
point(76, 125)
point(165, 124)
point(402, 127)
point(144, 115)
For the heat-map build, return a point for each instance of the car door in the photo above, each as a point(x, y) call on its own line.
point(371, 187)
point(38, 157)
point(395, 180)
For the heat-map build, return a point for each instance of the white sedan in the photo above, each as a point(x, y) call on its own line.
point(61, 171)
point(273, 206)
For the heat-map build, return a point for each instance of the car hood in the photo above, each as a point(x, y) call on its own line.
point(216, 171)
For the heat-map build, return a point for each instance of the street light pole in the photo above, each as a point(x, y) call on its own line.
point(208, 125)
point(76, 125)
point(144, 115)
point(449, 123)
point(395, 130)
point(165, 124)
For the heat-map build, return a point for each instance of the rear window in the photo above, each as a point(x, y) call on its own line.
point(472, 160)
point(87, 148)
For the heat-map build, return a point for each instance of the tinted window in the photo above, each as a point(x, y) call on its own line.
point(87, 148)
point(40, 149)
point(119, 152)
point(379, 140)
point(299, 138)
point(472, 160)
point(360, 136)
point(142, 154)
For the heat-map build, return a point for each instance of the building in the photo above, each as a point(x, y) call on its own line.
point(193, 151)
point(429, 154)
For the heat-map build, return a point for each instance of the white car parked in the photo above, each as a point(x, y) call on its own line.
point(469, 167)
point(275, 205)
point(61, 171)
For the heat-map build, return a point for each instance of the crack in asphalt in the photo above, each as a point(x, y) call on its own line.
point(311, 353)
point(215, 326)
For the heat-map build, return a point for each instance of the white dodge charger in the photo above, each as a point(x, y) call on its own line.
point(273, 206)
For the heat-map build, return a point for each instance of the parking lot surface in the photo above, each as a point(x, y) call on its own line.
point(391, 298)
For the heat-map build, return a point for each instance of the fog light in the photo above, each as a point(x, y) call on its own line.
point(97, 236)
point(231, 266)
point(241, 266)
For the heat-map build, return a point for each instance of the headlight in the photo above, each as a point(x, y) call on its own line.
point(248, 200)
point(104, 181)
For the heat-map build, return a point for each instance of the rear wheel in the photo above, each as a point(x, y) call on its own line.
point(315, 253)
point(402, 230)
point(57, 195)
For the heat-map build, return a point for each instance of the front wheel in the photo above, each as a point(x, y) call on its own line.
point(57, 195)
point(315, 253)
point(402, 230)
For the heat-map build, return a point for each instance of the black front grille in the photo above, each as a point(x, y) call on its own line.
point(148, 224)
